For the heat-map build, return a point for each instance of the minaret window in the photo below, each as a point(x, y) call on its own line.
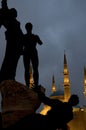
point(66, 80)
point(85, 81)
point(65, 71)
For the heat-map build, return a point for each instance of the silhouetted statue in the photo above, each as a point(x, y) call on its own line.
point(30, 54)
point(56, 118)
point(13, 36)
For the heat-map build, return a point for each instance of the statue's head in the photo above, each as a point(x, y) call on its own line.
point(29, 26)
point(13, 12)
point(73, 100)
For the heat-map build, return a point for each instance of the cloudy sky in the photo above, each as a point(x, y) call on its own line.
point(61, 25)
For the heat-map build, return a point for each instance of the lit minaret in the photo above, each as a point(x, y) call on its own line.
point(53, 84)
point(66, 80)
point(85, 81)
point(31, 77)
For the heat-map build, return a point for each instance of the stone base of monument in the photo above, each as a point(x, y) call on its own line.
point(17, 102)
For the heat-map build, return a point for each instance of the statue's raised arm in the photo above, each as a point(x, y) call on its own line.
point(3, 11)
point(4, 4)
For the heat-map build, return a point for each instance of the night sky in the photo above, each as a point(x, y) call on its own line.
point(61, 25)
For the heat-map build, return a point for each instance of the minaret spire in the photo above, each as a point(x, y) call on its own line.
point(53, 84)
point(66, 80)
point(85, 81)
point(31, 77)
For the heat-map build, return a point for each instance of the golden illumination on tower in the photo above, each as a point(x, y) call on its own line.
point(85, 81)
point(53, 84)
point(66, 80)
point(31, 77)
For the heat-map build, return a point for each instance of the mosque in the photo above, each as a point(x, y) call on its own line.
point(79, 120)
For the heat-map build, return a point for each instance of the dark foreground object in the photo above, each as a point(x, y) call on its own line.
point(17, 102)
point(57, 117)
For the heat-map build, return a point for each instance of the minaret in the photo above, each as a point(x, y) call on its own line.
point(85, 81)
point(66, 81)
point(53, 84)
point(31, 77)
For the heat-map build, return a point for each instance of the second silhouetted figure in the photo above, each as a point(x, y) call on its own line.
point(30, 54)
